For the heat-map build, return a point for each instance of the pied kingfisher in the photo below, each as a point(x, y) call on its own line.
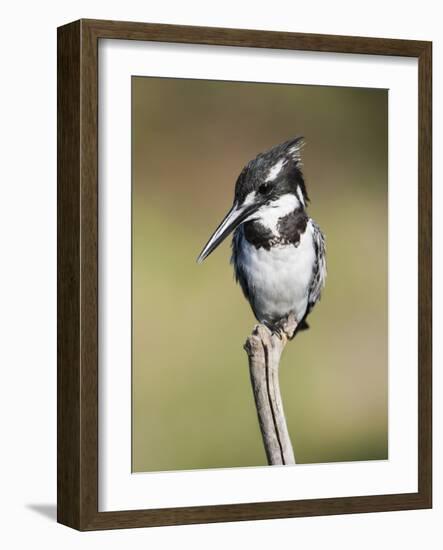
point(278, 251)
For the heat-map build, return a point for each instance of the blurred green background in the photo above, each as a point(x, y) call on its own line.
point(192, 400)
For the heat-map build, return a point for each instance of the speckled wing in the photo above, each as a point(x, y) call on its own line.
point(240, 275)
point(319, 270)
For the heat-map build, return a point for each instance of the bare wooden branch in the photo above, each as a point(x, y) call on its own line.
point(264, 350)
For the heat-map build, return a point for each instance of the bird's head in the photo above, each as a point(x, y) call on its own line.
point(269, 185)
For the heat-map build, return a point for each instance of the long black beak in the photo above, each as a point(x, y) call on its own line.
point(233, 219)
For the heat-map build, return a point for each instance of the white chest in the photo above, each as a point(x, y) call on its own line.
point(279, 278)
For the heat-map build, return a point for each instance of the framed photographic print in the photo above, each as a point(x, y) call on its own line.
point(221, 189)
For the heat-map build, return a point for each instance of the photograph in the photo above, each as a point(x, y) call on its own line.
point(220, 288)
point(259, 217)
point(244, 269)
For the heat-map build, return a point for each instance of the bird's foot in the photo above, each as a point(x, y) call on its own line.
point(279, 332)
point(268, 341)
point(285, 328)
point(271, 338)
point(290, 326)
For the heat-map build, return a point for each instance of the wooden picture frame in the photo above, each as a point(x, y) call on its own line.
point(77, 457)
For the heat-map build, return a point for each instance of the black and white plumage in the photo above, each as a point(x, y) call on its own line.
point(278, 251)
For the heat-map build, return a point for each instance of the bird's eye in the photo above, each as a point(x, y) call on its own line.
point(264, 188)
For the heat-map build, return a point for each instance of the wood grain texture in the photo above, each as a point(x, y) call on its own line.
point(69, 400)
point(264, 351)
point(77, 260)
point(425, 275)
point(254, 38)
point(77, 170)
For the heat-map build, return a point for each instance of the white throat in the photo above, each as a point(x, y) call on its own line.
point(269, 214)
